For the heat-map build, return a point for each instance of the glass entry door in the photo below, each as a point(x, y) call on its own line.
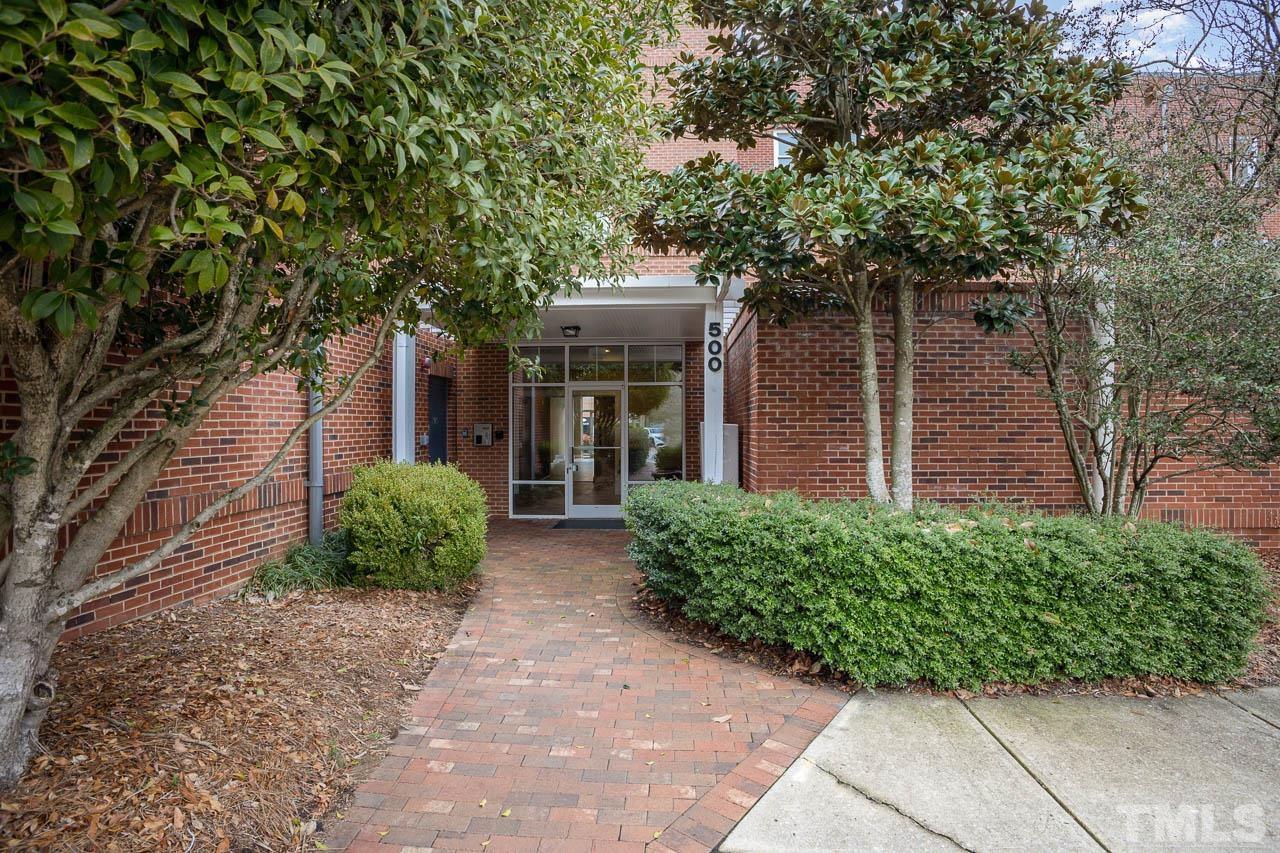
point(595, 470)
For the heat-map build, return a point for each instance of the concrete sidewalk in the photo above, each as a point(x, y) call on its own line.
point(896, 771)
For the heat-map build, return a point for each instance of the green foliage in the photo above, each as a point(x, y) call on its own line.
point(953, 597)
point(942, 140)
point(307, 566)
point(194, 193)
point(1159, 346)
point(929, 144)
point(638, 445)
point(414, 526)
point(670, 458)
point(11, 463)
point(185, 142)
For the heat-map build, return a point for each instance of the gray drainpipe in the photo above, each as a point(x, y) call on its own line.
point(315, 471)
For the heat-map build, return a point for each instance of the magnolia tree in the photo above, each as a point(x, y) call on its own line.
point(929, 143)
point(196, 193)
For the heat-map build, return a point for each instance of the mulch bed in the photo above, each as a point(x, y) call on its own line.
point(1263, 669)
point(232, 726)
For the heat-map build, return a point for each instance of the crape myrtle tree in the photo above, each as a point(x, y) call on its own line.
point(931, 143)
point(1217, 86)
point(1160, 348)
point(194, 194)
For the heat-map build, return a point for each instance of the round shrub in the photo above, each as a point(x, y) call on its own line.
point(414, 526)
point(952, 597)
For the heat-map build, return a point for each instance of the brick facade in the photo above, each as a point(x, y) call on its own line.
point(483, 398)
point(692, 409)
point(236, 440)
point(983, 430)
point(443, 362)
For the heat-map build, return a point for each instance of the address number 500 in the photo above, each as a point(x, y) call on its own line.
point(714, 348)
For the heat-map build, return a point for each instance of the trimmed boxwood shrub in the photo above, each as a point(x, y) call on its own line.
point(414, 526)
point(953, 597)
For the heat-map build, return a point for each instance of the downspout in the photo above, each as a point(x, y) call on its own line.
point(315, 468)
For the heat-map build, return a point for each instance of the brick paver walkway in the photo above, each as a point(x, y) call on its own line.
point(559, 720)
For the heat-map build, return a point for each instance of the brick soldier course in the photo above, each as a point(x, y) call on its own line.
point(559, 720)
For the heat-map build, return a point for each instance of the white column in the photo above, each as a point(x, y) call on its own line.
point(713, 367)
point(404, 373)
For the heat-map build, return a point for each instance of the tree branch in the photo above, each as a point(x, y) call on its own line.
point(67, 602)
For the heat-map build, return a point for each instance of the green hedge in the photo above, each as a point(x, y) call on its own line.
point(414, 526)
point(953, 597)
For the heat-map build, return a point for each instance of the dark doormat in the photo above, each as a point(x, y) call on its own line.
point(590, 524)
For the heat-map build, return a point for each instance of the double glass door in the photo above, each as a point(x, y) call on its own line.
point(595, 470)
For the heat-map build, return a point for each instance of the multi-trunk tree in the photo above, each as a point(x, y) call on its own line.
point(1159, 347)
point(195, 193)
point(930, 143)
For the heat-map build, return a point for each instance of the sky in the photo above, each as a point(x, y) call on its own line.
point(1150, 35)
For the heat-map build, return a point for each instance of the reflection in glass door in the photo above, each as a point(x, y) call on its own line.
point(595, 427)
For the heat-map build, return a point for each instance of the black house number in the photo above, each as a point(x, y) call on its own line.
point(714, 348)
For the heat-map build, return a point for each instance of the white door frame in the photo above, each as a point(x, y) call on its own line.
point(573, 432)
point(624, 383)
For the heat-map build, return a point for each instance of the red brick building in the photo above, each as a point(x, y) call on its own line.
point(660, 379)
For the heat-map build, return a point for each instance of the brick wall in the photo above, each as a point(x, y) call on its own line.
point(233, 444)
point(982, 428)
point(740, 399)
point(359, 431)
point(693, 409)
point(482, 397)
point(672, 153)
point(444, 364)
point(241, 433)
point(793, 393)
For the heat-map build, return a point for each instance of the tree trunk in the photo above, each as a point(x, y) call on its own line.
point(26, 638)
point(1102, 333)
point(1049, 349)
point(27, 687)
point(1137, 499)
point(869, 391)
point(904, 362)
point(41, 586)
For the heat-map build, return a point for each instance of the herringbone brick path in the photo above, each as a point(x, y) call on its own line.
point(557, 720)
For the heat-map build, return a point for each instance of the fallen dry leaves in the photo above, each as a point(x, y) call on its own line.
point(777, 660)
point(232, 726)
point(1264, 663)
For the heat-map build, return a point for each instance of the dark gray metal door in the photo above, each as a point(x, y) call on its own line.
point(437, 419)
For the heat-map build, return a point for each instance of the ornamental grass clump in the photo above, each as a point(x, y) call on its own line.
point(306, 566)
point(414, 526)
point(947, 596)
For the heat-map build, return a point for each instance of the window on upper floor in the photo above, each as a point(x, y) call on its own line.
point(1244, 165)
point(783, 142)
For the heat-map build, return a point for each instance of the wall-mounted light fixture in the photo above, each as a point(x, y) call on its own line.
point(570, 331)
